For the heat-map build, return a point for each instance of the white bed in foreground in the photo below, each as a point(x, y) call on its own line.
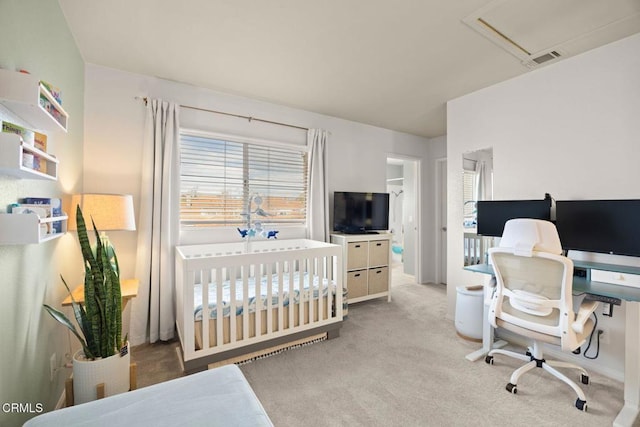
point(219, 397)
point(232, 300)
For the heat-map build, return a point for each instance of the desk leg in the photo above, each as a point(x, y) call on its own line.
point(487, 331)
point(629, 412)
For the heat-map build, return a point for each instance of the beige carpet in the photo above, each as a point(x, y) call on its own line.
point(402, 364)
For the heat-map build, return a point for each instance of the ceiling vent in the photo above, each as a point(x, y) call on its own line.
point(540, 32)
point(543, 59)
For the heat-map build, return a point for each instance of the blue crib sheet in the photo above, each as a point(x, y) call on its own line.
point(254, 301)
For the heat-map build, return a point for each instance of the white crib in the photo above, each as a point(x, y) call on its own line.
point(267, 293)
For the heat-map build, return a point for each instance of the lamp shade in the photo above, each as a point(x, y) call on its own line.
point(109, 211)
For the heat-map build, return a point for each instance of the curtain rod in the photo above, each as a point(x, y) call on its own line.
point(146, 100)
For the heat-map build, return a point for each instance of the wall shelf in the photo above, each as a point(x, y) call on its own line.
point(24, 95)
point(20, 229)
point(12, 154)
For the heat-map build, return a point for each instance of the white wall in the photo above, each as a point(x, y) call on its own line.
point(570, 129)
point(114, 126)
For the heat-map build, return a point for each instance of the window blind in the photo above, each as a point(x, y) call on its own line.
point(469, 185)
point(219, 177)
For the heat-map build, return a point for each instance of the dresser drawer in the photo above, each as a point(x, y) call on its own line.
point(378, 280)
point(356, 284)
point(357, 255)
point(624, 279)
point(378, 253)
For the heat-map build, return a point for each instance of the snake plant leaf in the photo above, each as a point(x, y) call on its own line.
point(81, 317)
point(61, 318)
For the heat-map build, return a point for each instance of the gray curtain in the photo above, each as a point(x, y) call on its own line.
point(481, 184)
point(318, 206)
point(154, 307)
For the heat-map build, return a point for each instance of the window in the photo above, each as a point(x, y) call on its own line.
point(469, 191)
point(219, 177)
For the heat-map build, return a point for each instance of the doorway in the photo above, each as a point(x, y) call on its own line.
point(404, 216)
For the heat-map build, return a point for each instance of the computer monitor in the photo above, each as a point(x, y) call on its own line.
point(603, 226)
point(492, 214)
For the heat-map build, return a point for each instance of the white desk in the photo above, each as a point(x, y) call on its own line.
point(630, 295)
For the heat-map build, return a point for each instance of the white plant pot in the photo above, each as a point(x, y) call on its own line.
point(113, 371)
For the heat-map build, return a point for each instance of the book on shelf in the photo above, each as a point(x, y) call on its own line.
point(42, 210)
point(39, 164)
point(54, 91)
point(54, 204)
point(40, 141)
point(27, 135)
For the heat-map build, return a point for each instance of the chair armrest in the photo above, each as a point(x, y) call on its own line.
point(586, 308)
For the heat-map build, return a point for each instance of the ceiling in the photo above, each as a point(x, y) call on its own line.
point(388, 63)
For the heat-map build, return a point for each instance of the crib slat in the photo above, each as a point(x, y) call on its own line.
point(319, 273)
point(291, 290)
point(189, 326)
point(280, 268)
point(232, 303)
point(339, 287)
point(310, 264)
point(300, 292)
point(246, 271)
point(259, 271)
point(206, 283)
point(218, 281)
point(269, 298)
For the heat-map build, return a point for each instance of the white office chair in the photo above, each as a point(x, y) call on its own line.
point(533, 298)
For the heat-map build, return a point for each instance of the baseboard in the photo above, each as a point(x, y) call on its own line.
point(61, 401)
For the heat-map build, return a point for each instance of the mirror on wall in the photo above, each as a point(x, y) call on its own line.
point(477, 181)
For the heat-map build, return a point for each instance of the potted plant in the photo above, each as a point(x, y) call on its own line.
point(104, 357)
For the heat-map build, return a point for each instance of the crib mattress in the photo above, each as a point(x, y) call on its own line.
point(309, 285)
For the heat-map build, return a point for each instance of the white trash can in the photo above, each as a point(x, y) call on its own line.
point(469, 312)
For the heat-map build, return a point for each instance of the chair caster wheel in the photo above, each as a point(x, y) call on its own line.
point(584, 379)
point(512, 388)
point(489, 360)
point(581, 404)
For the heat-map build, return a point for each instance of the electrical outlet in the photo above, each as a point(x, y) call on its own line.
point(604, 336)
point(52, 367)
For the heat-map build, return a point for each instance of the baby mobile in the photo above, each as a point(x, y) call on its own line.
point(256, 229)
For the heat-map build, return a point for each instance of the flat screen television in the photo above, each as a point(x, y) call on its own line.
point(603, 226)
point(492, 214)
point(355, 213)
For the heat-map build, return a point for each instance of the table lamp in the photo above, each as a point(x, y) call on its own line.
point(108, 211)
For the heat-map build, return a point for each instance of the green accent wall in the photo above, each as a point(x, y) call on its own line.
point(34, 36)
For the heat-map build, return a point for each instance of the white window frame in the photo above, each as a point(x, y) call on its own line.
point(200, 235)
